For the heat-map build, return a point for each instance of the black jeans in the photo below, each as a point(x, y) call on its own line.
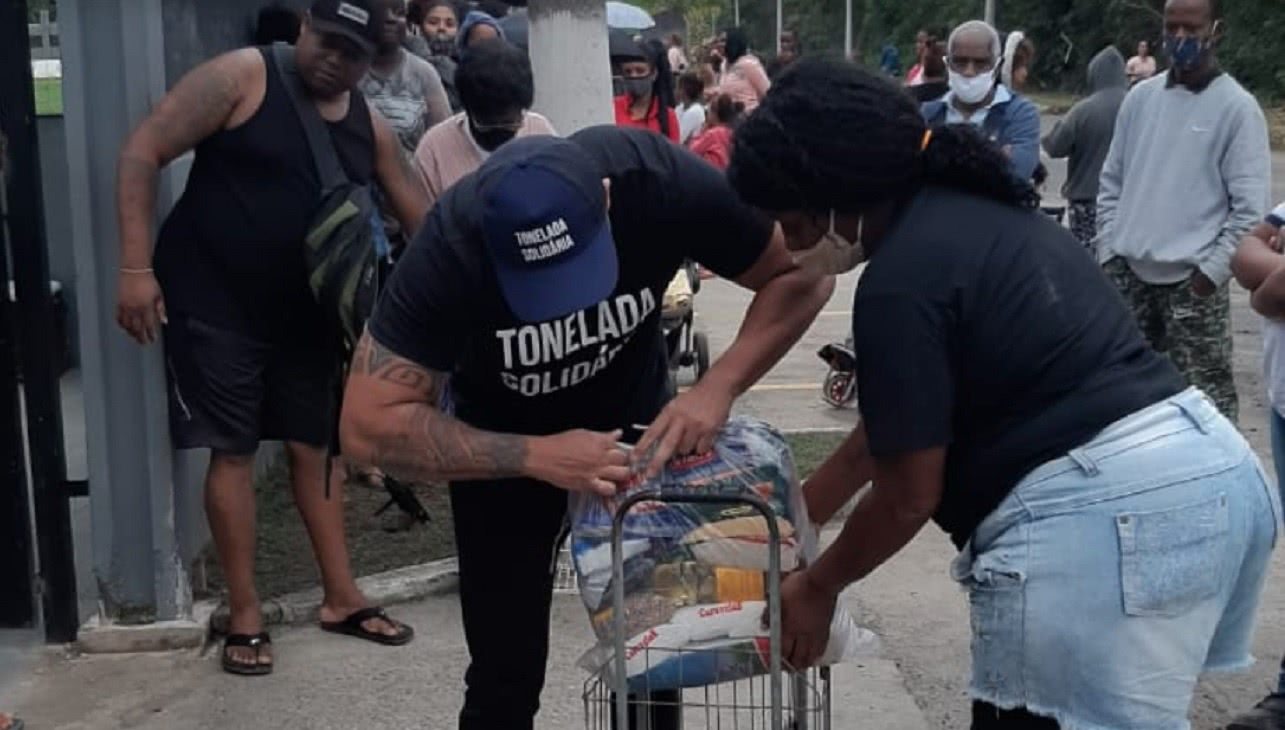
point(988, 717)
point(507, 534)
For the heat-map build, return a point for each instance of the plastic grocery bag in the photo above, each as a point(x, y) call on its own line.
point(695, 574)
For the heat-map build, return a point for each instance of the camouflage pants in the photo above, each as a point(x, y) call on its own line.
point(1194, 333)
point(1084, 223)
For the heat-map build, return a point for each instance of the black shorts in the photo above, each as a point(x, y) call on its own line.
point(228, 390)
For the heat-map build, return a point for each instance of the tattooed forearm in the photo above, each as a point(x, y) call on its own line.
point(136, 207)
point(197, 107)
point(429, 445)
point(414, 440)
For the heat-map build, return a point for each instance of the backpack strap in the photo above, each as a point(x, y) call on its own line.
point(329, 170)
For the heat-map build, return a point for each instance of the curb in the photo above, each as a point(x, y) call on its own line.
point(400, 585)
point(210, 618)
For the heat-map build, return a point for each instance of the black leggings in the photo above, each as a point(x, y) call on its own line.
point(989, 717)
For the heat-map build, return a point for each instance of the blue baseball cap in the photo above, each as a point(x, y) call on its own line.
point(545, 225)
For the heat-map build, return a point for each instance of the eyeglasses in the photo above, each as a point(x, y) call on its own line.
point(959, 64)
point(506, 126)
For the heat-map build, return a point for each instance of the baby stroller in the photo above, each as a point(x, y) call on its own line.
point(840, 386)
point(687, 347)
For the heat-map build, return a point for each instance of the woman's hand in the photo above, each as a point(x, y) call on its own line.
point(807, 609)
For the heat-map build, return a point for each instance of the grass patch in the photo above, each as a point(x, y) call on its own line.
point(812, 449)
point(284, 560)
point(48, 97)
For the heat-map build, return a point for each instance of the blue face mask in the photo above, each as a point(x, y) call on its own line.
point(1187, 52)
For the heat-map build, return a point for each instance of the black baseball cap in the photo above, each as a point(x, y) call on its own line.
point(357, 20)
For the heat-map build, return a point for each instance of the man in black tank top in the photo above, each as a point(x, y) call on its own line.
point(244, 350)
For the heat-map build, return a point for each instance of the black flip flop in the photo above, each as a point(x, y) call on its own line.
point(249, 641)
point(352, 626)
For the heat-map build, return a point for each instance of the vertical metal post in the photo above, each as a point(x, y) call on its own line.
point(847, 29)
point(780, 23)
point(17, 561)
point(989, 13)
point(736, 13)
point(37, 346)
point(114, 71)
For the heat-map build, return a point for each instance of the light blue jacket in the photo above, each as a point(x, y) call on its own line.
point(1014, 124)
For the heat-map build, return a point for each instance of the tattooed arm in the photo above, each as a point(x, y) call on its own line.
point(398, 178)
point(202, 103)
point(391, 420)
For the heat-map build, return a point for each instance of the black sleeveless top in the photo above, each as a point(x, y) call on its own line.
point(231, 253)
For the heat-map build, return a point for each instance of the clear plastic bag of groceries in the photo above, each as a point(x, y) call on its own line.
point(695, 575)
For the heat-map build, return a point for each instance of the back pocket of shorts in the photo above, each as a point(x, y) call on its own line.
point(1170, 561)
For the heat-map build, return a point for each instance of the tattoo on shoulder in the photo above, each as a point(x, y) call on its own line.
point(374, 359)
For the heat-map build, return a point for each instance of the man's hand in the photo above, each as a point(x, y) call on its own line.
point(1202, 286)
point(580, 461)
point(140, 308)
point(689, 425)
point(807, 610)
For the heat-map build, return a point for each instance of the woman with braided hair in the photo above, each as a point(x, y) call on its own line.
point(1114, 529)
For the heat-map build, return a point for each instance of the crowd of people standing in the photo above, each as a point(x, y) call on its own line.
point(1068, 419)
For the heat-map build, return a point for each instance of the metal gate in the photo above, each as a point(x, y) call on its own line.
point(40, 567)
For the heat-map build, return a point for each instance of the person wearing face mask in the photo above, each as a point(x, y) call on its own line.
point(434, 24)
point(648, 101)
point(537, 286)
point(1188, 173)
point(1114, 528)
point(497, 90)
point(1008, 119)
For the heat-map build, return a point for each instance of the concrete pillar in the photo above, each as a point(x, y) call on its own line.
point(113, 72)
point(571, 63)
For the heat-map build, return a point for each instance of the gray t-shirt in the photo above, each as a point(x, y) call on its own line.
point(411, 98)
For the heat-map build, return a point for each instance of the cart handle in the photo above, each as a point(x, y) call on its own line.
point(773, 589)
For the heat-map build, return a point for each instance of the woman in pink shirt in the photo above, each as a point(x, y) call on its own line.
point(495, 86)
point(744, 78)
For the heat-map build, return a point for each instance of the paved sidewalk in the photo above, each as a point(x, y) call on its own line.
point(327, 682)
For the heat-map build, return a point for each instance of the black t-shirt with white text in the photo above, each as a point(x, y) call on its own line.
point(603, 367)
point(983, 328)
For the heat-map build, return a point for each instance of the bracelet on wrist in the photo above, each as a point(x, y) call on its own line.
point(127, 270)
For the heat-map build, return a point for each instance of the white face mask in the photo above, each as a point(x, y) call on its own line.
point(971, 90)
point(833, 254)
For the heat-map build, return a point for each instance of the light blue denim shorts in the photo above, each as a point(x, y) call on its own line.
point(1111, 578)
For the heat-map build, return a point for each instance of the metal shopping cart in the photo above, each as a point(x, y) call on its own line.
point(776, 698)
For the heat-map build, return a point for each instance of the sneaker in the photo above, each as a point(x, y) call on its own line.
point(1266, 715)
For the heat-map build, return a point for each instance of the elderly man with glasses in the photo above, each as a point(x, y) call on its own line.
point(976, 96)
